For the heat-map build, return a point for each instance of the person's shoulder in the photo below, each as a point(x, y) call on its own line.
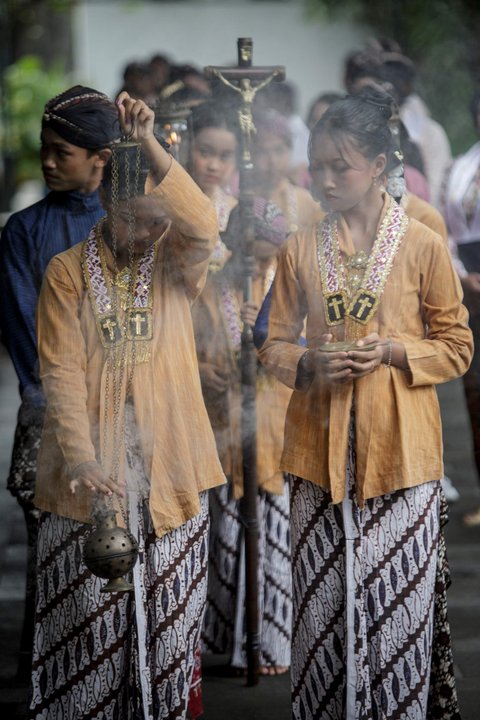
point(69, 261)
point(26, 218)
point(72, 255)
point(468, 156)
point(309, 207)
point(436, 139)
point(421, 210)
point(421, 237)
point(301, 192)
point(302, 241)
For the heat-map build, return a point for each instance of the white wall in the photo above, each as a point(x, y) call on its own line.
point(205, 32)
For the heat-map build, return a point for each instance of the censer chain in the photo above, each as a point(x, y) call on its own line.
point(121, 357)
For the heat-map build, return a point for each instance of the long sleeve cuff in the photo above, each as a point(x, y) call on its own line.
point(433, 362)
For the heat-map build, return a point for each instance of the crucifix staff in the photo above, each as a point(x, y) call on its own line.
point(247, 92)
point(246, 81)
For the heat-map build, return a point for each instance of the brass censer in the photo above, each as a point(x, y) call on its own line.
point(111, 552)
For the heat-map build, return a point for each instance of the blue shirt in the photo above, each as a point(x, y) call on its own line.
point(260, 331)
point(28, 242)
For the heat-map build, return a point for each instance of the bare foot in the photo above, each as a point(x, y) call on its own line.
point(272, 670)
point(472, 519)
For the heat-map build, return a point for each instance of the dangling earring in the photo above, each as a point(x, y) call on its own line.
point(374, 180)
point(396, 179)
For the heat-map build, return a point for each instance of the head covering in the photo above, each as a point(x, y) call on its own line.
point(269, 222)
point(272, 122)
point(83, 117)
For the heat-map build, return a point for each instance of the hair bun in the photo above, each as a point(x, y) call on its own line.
point(378, 99)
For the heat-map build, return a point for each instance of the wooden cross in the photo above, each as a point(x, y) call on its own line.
point(240, 79)
point(246, 80)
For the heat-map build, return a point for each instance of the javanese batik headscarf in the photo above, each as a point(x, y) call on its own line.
point(83, 117)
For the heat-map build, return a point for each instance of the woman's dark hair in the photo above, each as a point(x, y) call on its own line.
point(364, 118)
point(361, 64)
point(327, 98)
point(399, 71)
point(411, 151)
point(213, 115)
point(131, 167)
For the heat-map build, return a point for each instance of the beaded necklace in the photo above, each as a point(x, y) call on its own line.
point(354, 303)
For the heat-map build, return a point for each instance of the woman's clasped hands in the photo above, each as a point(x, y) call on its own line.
point(343, 365)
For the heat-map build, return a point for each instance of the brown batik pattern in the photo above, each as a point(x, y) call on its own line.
point(117, 656)
point(389, 644)
point(224, 627)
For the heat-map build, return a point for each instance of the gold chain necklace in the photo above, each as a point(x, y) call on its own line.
point(120, 363)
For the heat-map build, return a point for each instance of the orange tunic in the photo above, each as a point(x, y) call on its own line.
point(297, 205)
point(177, 441)
point(214, 346)
point(397, 418)
point(272, 402)
point(425, 213)
point(273, 397)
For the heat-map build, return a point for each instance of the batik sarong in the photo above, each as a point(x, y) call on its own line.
point(442, 696)
point(224, 628)
point(118, 656)
point(363, 597)
point(23, 467)
point(21, 483)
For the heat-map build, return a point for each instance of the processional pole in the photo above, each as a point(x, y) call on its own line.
point(241, 79)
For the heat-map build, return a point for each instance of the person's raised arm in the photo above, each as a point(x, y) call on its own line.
point(194, 229)
point(137, 121)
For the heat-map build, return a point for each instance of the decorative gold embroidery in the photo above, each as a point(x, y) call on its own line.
point(355, 266)
point(139, 325)
point(111, 328)
point(352, 289)
point(334, 307)
point(117, 321)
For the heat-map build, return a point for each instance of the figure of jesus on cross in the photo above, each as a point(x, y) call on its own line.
point(244, 75)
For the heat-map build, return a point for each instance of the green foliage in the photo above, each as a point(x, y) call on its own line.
point(27, 86)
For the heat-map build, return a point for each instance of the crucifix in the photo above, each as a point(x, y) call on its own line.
point(110, 328)
point(246, 80)
point(138, 321)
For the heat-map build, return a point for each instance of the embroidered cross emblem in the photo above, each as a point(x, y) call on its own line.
point(111, 331)
point(140, 324)
point(138, 320)
point(335, 305)
point(363, 306)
